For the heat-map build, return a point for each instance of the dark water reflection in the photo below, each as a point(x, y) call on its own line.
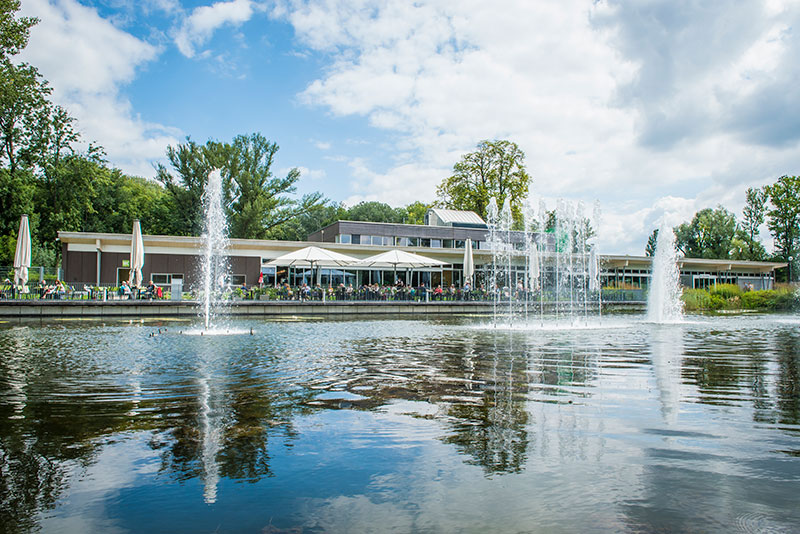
point(401, 425)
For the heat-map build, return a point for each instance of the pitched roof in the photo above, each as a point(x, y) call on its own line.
point(457, 217)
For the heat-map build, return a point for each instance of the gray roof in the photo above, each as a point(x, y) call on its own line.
point(458, 217)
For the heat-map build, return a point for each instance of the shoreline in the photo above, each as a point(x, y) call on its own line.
point(11, 309)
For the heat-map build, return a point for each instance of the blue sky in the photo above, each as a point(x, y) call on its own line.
point(655, 108)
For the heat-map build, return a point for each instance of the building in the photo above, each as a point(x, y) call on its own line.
point(102, 259)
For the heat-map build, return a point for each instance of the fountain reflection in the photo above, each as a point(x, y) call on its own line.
point(667, 354)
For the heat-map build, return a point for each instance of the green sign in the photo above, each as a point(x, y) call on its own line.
point(126, 263)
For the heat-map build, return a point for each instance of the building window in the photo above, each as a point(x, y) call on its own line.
point(413, 241)
point(356, 239)
point(343, 238)
point(238, 279)
point(402, 242)
point(436, 243)
point(447, 243)
point(424, 242)
point(163, 279)
point(460, 243)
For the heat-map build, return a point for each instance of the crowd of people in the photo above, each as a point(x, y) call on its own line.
point(375, 292)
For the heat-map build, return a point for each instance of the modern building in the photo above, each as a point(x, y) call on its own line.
point(102, 259)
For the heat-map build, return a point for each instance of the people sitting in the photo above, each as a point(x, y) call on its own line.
point(150, 290)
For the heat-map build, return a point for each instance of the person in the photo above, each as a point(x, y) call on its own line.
point(61, 290)
point(125, 290)
point(260, 280)
point(151, 289)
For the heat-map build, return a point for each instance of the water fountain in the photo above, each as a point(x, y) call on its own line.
point(537, 265)
point(664, 299)
point(215, 276)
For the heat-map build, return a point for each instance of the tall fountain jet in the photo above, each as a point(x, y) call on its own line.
point(215, 238)
point(664, 300)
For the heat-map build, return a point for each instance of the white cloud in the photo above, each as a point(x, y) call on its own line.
point(305, 172)
point(198, 28)
point(634, 104)
point(86, 60)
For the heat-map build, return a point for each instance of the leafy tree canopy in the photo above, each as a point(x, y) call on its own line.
point(709, 234)
point(495, 170)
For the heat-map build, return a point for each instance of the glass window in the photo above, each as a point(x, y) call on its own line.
point(424, 242)
point(447, 243)
point(377, 240)
point(413, 241)
point(402, 242)
point(344, 238)
point(356, 239)
point(160, 279)
point(460, 243)
point(436, 243)
point(238, 279)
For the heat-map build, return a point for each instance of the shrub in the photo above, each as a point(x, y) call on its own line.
point(756, 300)
point(696, 299)
point(726, 291)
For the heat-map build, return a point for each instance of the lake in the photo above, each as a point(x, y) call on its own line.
point(401, 425)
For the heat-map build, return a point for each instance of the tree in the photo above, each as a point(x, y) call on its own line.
point(375, 212)
point(650, 248)
point(14, 31)
point(747, 243)
point(709, 234)
point(496, 170)
point(257, 202)
point(23, 110)
point(415, 212)
point(299, 228)
point(783, 219)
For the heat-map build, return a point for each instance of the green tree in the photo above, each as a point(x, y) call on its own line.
point(14, 31)
point(300, 227)
point(23, 111)
point(747, 243)
point(375, 212)
point(495, 170)
point(783, 218)
point(415, 212)
point(650, 248)
point(709, 234)
point(261, 201)
point(258, 203)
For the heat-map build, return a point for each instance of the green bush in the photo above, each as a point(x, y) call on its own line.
point(726, 291)
point(696, 299)
point(756, 300)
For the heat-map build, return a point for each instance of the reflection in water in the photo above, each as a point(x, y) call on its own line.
point(667, 355)
point(209, 434)
point(421, 425)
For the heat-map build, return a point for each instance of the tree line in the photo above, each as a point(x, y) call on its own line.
point(717, 233)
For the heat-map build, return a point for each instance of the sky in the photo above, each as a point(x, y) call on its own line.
point(653, 108)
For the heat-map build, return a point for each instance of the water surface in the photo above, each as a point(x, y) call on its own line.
point(401, 426)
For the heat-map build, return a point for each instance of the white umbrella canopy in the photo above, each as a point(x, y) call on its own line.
point(137, 255)
point(22, 257)
point(310, 256)
point(469, 264)
point(399, 258)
